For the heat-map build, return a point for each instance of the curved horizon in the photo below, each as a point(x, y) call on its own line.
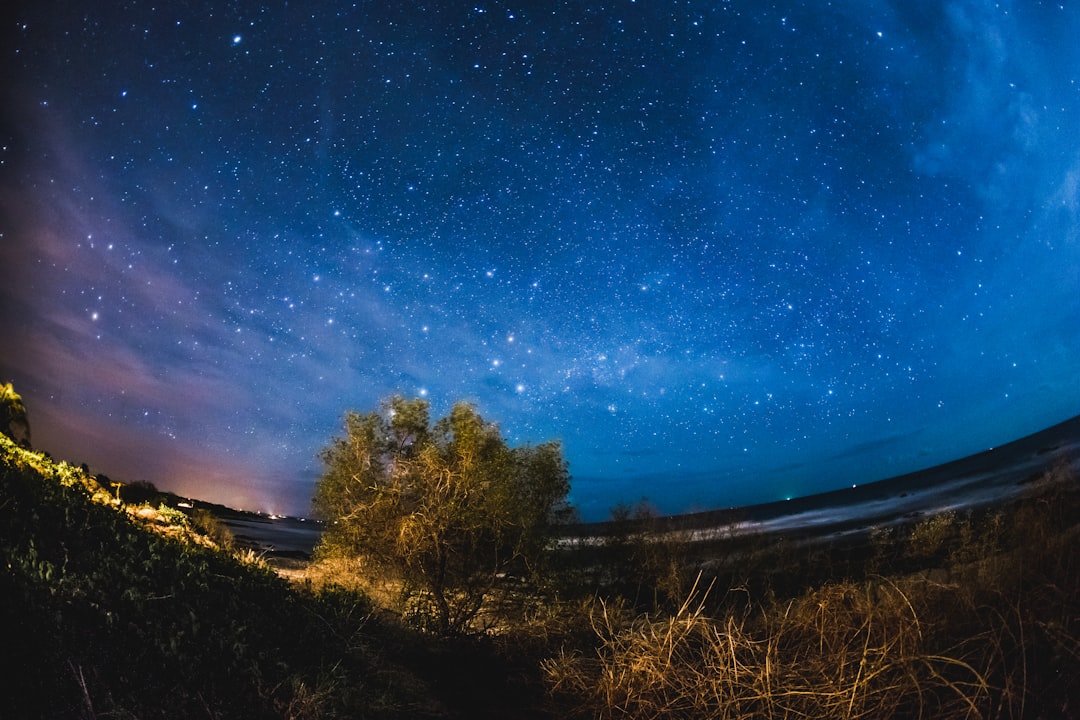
point(726, 253)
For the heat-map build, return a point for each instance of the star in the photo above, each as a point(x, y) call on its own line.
point(703, 242)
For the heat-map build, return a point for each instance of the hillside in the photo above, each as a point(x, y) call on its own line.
point(124, 611)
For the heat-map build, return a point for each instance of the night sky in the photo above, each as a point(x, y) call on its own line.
point(726, 252)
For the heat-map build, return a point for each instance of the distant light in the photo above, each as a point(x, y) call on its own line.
point(236, 39)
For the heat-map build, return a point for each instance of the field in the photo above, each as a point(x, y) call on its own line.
point(951, 608)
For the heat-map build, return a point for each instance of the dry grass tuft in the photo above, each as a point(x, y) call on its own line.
point(842, 651)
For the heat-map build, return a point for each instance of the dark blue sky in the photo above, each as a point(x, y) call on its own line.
point(727, 252)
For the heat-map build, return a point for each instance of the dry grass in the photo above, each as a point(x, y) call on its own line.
point(974, 616)
point(843, 651)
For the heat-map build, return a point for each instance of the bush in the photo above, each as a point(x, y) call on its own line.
point(449, 512)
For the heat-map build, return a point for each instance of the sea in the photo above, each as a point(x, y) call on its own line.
point(275, 535)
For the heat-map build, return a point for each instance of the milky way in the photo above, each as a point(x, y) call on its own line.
point(726, 252)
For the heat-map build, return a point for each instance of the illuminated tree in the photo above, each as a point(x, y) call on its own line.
point(13, 420)
point(449, 510)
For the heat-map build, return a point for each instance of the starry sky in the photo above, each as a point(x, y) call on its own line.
point(727, 252)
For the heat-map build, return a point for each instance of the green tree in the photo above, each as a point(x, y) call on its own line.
point(13, 419)
point(447, 509)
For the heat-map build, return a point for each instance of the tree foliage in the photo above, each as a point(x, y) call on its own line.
point(13, 418)
point(446, 508)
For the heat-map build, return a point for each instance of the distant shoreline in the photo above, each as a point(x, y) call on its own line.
point(275, 536)
point(990, 476)
point(970, 480)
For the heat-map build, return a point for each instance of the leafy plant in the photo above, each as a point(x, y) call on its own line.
point(13, 416)
point(445, 511)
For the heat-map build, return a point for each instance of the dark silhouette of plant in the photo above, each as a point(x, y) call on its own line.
point(141, 491)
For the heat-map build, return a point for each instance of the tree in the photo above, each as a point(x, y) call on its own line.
point(13, 419)
point(447, 509)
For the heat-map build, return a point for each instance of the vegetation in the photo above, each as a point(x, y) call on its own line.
point(119, 603)
point(112, 610)
point(445, 512)
point(13, 417)
point(973, 616)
